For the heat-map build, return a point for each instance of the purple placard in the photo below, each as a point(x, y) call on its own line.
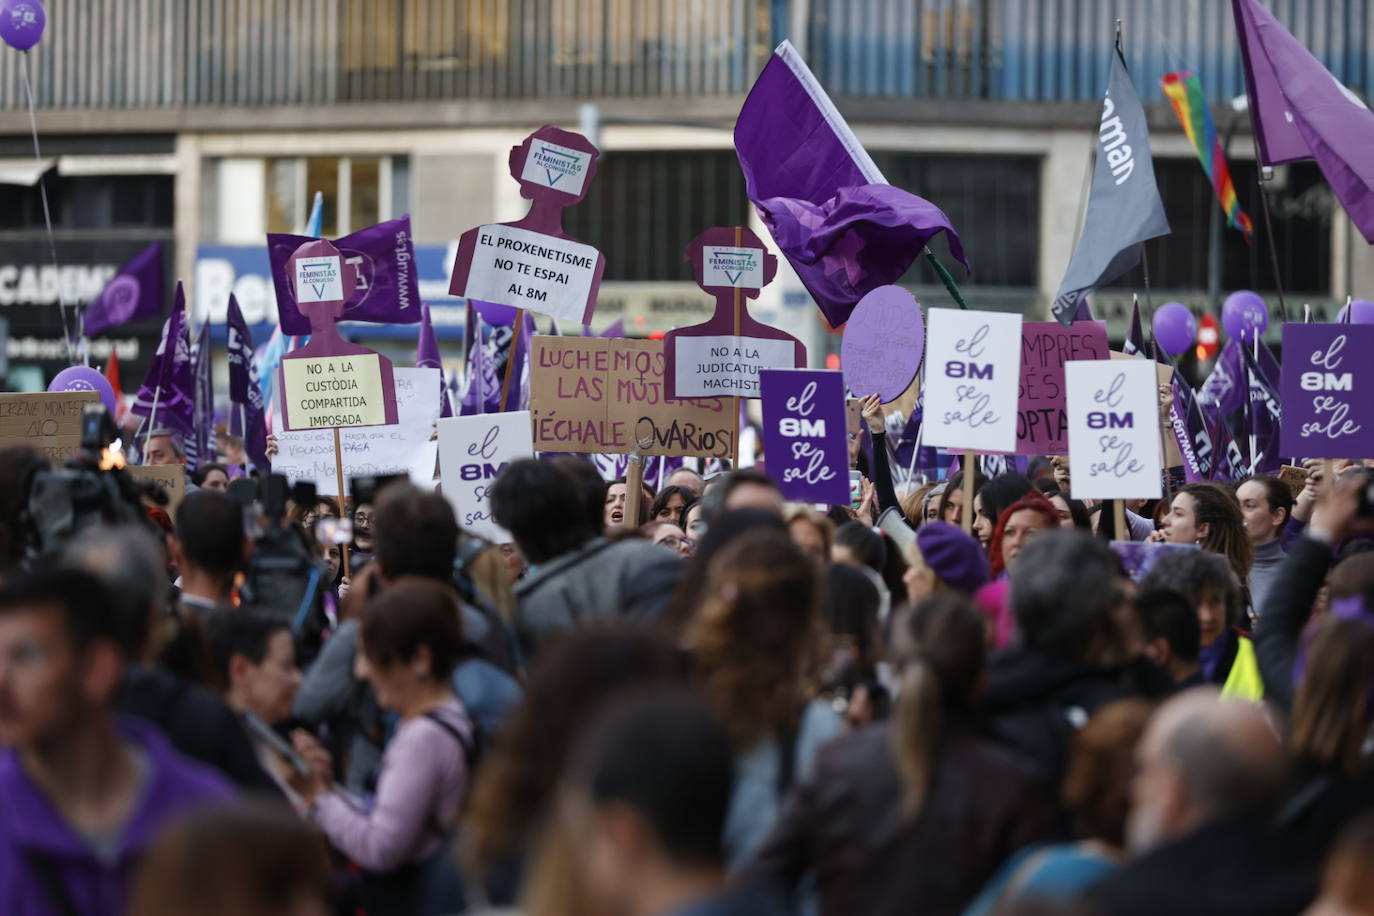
point(729, 351)
point(805, 435)
point(322, 278)
point(1042, 421)
point(1328, 401)
point(883, 343)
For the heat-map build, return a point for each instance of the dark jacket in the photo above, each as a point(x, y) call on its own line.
point(845, 823)
point(198, 723)
point(1035, 702)
point(1285, 612)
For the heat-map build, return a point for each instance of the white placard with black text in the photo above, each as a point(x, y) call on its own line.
point(972, 378)
point(1113, 408)
point(473, 451)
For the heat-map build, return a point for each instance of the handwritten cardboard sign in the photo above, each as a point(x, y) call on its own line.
point(597, 394)
point(49, 422)
point(805, 434)
point(971, 380)
point(530, 263)
point(1113, 428)
point(405, 447)
point(1328, 399)
point(473, 451)
point(1042, 425)
point(883, 343)
point(170, 478)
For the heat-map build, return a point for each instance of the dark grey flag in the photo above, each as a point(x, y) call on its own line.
point(1124, 208)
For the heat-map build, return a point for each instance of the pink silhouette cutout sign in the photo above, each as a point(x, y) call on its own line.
point(329, 382)
point(531, 263)
point(724, 356)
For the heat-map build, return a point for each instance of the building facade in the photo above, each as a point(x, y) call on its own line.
point(208, 123)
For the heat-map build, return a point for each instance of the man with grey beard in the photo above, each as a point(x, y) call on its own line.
point(1208, 775)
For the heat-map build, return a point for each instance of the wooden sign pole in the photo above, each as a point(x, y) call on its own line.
point(970, 472)
point(634, 489)
point(734, 442)
point(510, 358)
point(343, 496)
point(1119, 519)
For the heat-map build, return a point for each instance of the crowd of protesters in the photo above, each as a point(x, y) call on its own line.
point(727, 704)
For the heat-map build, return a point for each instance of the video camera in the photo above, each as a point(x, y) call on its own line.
point(91, 488)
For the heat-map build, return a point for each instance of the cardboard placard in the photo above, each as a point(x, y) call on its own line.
point(1042, 425)
point(971, 380)
point(1327, 391)
point(1114, 428)
point(884, 340)
point(1295, 477)
point(171, 478)
point(48, 422)
point(473, 451)
point(330, 391)
point(805, 434)
point(595, 394)
point(405, 447)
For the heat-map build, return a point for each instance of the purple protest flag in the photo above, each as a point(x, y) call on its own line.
point(1327, 391)
point(1135, 339)
point(490, 331)
point(1224, 389)
point(1189, 426)
point(1301, 111)
point(387, 290)
point(844, 229)
point(427, 357)
point(200, 445)
point(134, 292)
point(245, 394)
point(805, 436)
point(1266, 414)
point(616, 329)
point(167, 396)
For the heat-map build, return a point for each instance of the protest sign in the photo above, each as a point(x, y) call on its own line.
point(405, 447)
point(1139, 557)
point(599, 394)
point(49, 422)
point(971, 381)
point(1328, 405)
point(330, 383)
point(1114, 429)
point(169, 478)
point(530, 263)
point(724, 356)
point(473, 451)
point(884, 340)
point(1042, 422)
point(805, 434)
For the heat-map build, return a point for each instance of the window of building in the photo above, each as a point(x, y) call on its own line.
point(105, 202)
point(644, 207)
point(993, 202)
point(353, 190)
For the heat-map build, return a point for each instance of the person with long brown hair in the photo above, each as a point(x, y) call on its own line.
point(756, 644)
point(1208, 515)
point(911, 815)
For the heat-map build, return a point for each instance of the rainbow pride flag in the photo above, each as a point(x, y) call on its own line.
point(1190, 106)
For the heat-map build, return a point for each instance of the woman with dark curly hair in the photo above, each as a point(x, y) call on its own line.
point(756, 644)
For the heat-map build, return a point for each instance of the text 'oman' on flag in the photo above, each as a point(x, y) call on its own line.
point(1124, 208)
point(1301, 111)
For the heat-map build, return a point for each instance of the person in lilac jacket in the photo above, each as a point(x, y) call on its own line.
point(410, 641)
point(82, 791)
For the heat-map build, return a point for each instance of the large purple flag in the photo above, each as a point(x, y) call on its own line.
point(427, 357)
point(134, 292)
point(168, 383)
point(200, 445)
point(1301, 111)
point(245, 394)
point(1224, 389)
point(1189, 426)
point(844, 229)
point(388, 291)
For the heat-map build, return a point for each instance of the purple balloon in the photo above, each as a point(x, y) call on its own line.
point(22, 22)
point(1174, 328)
point(84, 378)
point(1361, 311)
point(1244, 314)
